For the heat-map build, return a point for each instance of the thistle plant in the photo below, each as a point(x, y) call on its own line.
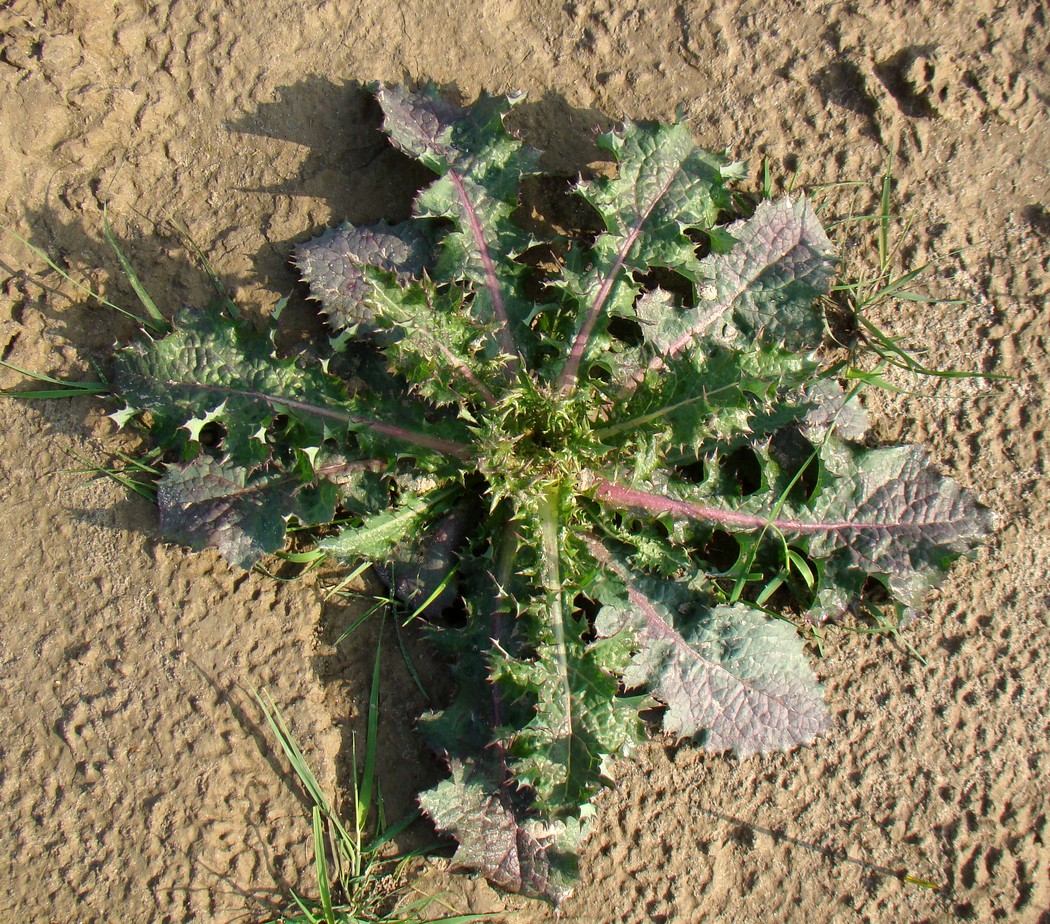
point(620, 452)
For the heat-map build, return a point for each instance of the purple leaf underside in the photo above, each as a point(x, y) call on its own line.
point(211, 503)
point(335, 266)
point(513, 854)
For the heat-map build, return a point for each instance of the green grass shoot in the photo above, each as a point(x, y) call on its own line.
point(351, 854)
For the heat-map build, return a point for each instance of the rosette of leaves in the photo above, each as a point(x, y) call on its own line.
point(617, 449)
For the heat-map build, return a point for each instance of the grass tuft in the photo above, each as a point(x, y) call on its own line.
point(357, 879)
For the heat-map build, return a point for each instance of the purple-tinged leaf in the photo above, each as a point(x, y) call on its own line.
point(832, 406)
point(890, 512)
point(481, 167)
point(422, 124)
point(881, 512)
point(242, 514)
point(731, 674)
point(334, 265)
point(524, 856)
point(763, 289)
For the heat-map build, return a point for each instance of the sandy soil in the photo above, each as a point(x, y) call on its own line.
point(137, 781)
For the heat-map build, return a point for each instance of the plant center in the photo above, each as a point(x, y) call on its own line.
point(536, 437)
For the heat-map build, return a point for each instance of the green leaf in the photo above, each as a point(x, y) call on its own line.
point(218, 369)
point(664, 186)
point(379, 537)
point(699, 403)
point(580, 722)
point(764, 289)
point(492, 585)
point(435, 344)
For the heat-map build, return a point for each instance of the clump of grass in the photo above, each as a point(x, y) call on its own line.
point(357, 876)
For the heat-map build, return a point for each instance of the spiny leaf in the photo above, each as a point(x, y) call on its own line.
point(665, 185)
point(215, 368)
point(379, 537)
point(883, 512)
point(481, 166)
point(764, 289)
point(493, 588)
point(579, 723)
point(434, 343)
point(698, 403)
point(335, 266)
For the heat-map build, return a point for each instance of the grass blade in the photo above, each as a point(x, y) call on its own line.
point(348, 580)
point(905, 360)
point(146, 489)
point(91, 293)
point(76, 388)
point(295, 757)
point(48, 394)
point(742, 579)
point(129, 271)
point(364, 795)
point(413, 673)
point(393, 831)
point(434, 594)
point(220, 289)
point(324, 887)
point(884, 220)
point(310, 917)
